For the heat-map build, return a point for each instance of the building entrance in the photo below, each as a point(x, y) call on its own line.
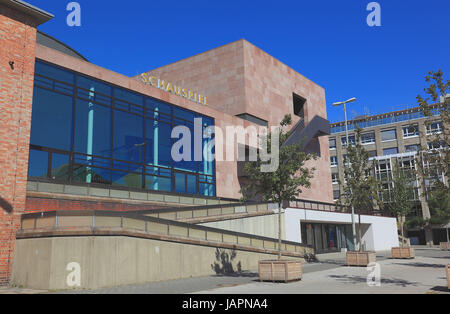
point(327, 238)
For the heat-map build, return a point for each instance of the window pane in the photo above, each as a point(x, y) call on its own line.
point(191, 184)
point(97, 86)
point(129, 143)
point(388, 135)
point(38, 164)
point(411, 148)
point(51, 124)
point(164, 145)
point(332, 143)
point(60, 167)
point(207, 189)
point(54, 72)
point(131, 180)
point(180, 183)
point(368, 138)
point(93, 129)
point(390, 151)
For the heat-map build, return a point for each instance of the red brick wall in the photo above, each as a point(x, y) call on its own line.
point(17, 44)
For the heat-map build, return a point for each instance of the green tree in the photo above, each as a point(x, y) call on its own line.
point(286, 183)
point(361, 187)
point(439, 203)
point(400, 201)
point(433, 165)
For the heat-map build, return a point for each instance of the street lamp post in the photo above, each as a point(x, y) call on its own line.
point(337, 104)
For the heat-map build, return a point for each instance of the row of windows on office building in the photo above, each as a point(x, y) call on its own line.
point(88, 131)
point(389, 135)
point(383, 120)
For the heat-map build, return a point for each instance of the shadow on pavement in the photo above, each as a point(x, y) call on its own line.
point(423, 265)
point(440, 289)
point(243, 274)
point(358, 279)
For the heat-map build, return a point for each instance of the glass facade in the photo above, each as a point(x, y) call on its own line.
point(327, 237)
point(88, 131)
point(383, 120)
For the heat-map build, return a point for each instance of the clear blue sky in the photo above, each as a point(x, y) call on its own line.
point(327, 41)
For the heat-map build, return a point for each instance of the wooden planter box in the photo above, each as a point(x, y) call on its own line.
point(361, 258)
point(448, 275)
point(287, 270)
point(403, 252)
point(445, 246)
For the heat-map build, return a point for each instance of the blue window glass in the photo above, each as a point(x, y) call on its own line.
point(51, 122)
point(180, 182)
point(164, 145)
point(88, 131)
point(60, 167)
point(94, 91)
point(54, 73)
point(92, 129)
point(189, 164)
point(129, 143)
point(191, 184)
point(390, 151)
point(126, 179)
point(38, 164)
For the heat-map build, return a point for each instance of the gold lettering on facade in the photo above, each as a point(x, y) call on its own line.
point(173, 89)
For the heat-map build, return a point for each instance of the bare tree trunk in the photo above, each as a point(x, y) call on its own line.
point(403, 233)
point(279, 231)
point(359, 233)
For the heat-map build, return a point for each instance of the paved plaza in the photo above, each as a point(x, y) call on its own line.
point(422, 275)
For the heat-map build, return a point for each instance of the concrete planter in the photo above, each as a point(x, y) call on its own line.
point(445, 246)
point(403, 252)
point(284, 270)
point(361, 258)
point(448, 275)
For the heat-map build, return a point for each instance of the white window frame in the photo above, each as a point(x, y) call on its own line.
point(433, 132)
point(331, 161)
point(387, 141)
point(335, 144)
point(333, 179)
point(436, 148)
point(411, 135)
point(390, 148)
point(349, 139)
point(368, 143)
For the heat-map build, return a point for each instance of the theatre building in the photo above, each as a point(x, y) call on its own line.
point(87, 174)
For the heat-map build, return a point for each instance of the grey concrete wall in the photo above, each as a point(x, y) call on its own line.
point(114, 261)
point(111, 193)
point(266, 226)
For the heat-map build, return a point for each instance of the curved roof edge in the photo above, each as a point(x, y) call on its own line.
point(51, 42)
